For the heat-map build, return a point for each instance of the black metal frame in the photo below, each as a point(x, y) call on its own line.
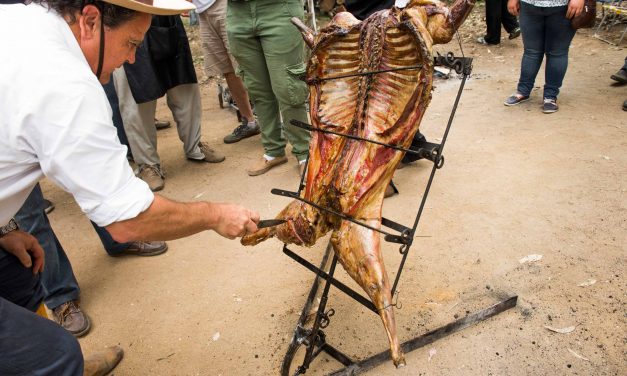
point(314, 339)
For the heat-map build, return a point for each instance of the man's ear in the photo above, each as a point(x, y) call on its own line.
point(89, 22)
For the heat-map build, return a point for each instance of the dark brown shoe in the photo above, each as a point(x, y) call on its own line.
point(70, 316)
point(162, 124)
point(144, 249)
point(103, 362)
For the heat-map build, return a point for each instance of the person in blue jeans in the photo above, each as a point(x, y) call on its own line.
point(546, 30)
point(61, 290)
point(49, 349)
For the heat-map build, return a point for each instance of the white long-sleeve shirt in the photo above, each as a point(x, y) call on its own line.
point(55, 121)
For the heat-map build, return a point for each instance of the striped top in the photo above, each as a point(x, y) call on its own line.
point(546, 3)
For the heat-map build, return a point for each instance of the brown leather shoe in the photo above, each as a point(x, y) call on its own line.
point(153, 176)
point(71, 318)
point(264, 165)
point(144, 249)
point(103, 362)
point(211, 155)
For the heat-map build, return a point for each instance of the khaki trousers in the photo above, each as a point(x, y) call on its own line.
point(139, 120)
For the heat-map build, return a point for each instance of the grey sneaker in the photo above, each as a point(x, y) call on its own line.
point(71, 318)
point(549, 106)
point(515, 99)
point(153, 176)
point(241, 132)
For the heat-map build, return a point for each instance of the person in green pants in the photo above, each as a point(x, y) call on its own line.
point(270, 54)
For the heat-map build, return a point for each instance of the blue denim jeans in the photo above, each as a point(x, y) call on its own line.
point(30, 344)
point(57, 279)
point(111, 246)
point(545, 31)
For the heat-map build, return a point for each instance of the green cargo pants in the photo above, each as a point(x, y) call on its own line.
point(269, 51)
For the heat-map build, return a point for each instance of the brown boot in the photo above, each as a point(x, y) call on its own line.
point(70, 316)
point(211, 155)
point(103, 362)
point(153, 176)
point(265, 165)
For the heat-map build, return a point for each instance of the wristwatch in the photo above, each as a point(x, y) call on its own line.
point(11, 226)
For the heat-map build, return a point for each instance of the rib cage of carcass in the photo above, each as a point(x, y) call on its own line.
point(371, 79)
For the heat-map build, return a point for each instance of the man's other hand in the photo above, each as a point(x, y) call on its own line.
point(26, 248)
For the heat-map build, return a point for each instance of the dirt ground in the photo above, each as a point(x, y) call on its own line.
point(516, 182)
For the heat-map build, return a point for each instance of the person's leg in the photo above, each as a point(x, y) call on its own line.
point(493, 21)
point(184, 102)
point(621, 75)
point(30, 344)
point(248, 51)
point(139, 122)
point(532, 24)
point(218, 41)
point(240, 95)
point(137, 248)
point(111, 246)
point(58, 280)
point(18, 284)
point(284, 55)
point(558, 36)
point(33, 345)
point(510, 22)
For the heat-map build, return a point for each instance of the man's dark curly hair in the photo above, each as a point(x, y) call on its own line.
point(112, 15)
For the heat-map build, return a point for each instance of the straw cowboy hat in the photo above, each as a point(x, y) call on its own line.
point(157, 7)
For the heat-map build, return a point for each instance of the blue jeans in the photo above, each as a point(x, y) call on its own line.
point(57, 279)
point(111, 246)
point(545, 31)
point(30, 344)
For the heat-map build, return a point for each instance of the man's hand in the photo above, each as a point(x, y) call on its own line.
point(575, 7)
point(513, 6)
point(26, 248)
point(235, 221)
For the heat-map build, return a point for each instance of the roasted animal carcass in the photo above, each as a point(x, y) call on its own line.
point(371, 79)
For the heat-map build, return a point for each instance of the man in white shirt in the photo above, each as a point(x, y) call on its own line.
point(55, 121)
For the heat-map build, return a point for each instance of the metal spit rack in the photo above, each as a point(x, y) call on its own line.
point(314, 339)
